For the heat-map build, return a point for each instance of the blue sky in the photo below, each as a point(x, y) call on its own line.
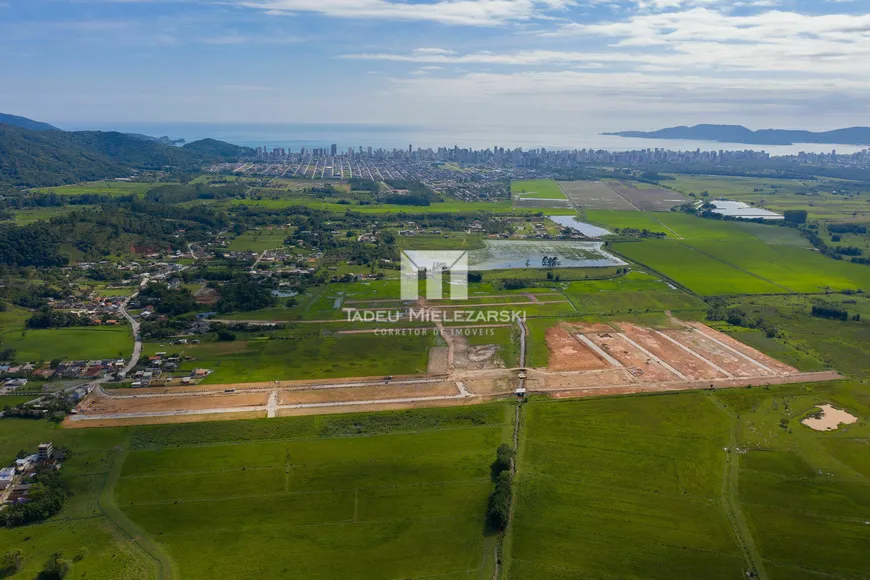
point(514, 64)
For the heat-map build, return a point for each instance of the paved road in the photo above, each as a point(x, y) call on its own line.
point(137, 338)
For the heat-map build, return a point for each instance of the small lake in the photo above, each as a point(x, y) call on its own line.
point(587, 230)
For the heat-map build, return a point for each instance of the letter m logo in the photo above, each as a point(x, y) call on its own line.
point(433, 264)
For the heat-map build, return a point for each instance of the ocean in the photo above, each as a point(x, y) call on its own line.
point(298, 135)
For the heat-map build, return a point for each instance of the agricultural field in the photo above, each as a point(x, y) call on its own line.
point(88, 526)
point(731, 186)
point(594, 195)
point(724, 257)
point(803, 492)
point(259, 240)
point(65, 343)
point(626, 487)
point(303, 352)
point(497, 207)
point(110, 188)
point(13, 400)
point(842, 345)
point(622, 219)
point(397, 494)
point(635, 292)
point(698, 272)
point(445, 241)
point(28, 216)
point(815, 196)
point(536, 189)
point(650, 486)
point(647, 197)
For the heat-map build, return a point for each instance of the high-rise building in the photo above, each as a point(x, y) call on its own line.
point(333, 149)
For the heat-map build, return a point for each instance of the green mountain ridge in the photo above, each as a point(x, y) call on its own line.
point(26, 123)
point(53, 157)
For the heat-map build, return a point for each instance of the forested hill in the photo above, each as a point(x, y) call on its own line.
point(740, 134)
point(25, 123)
point(217, 150)
point(54, 157)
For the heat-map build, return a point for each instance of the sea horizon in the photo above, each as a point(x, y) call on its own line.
point(294, 136)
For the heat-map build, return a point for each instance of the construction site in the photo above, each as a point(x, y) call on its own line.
point(585, 359)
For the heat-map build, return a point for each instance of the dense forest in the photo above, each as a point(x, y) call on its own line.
point(46, 158)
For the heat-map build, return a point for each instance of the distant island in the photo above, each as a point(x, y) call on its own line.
point(740, 134)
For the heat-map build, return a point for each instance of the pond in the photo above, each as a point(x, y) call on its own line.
point(587, 230)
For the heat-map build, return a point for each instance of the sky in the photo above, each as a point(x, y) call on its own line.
point(517, 65)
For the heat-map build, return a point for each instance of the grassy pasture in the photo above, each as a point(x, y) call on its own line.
point(622, 488)
point(259, 240)
point(815, 196)
point(81, 527)
point(625, 219)
point(398, 495)
point(693, 269)
point(64, 343)
point(635, 292)
point(536, 189)
point(304, 352)
point(719, 257)
point(498, 207)
point(843, 345)
point(804, 492)
point(111, 188)
point(13, 400)
point(28, 216)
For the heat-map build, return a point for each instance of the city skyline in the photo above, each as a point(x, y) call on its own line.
point(523, 66)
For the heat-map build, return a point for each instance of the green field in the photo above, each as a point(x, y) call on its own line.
point(28, 216)
point(537, 189)
point(635, 292)
point(623, 488)
point(636, 487)
point(111, 188)
point(63, 343)
point(694, 270)
point(13, 400)
point(639, 487)
point(804, 493)
point(640, 220)
point(397, 495)
point(303, 352)
point(87, 525)
point(725, 257)
point(498, 207)
point(815, 196)
point(259, 240)
point(842, 345)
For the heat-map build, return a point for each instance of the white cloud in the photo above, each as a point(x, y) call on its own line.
point(454, 12)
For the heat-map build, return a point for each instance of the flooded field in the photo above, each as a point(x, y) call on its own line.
point(829, 418)
point(587, 230)
point(504, 254)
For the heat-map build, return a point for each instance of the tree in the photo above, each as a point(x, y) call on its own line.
point(795, 216)
point(56, 567)
point(504, 457)
point(12, 562)
point(500, 501)
point(225, 335)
